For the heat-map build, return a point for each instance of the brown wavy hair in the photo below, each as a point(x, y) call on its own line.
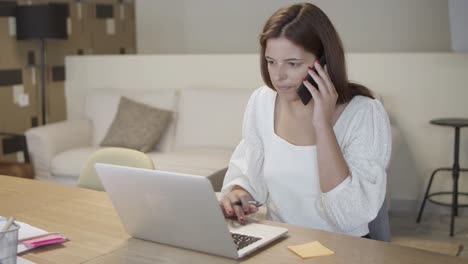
point(308, 26)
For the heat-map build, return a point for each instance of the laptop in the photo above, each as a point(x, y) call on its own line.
point(179, 210)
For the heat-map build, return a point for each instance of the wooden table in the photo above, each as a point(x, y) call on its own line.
point(97, 236)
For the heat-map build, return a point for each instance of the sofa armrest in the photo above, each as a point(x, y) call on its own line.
point(47, 141)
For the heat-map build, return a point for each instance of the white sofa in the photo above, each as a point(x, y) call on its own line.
point(204, 130)
point(207, 93)
point(208, 104)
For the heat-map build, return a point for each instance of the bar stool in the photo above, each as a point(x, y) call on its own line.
point(457, 123)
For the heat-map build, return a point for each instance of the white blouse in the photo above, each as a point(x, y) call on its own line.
point(285, 176)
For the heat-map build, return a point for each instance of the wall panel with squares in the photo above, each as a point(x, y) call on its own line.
point(94, 27)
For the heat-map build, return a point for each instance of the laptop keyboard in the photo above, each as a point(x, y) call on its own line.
point(242, 241)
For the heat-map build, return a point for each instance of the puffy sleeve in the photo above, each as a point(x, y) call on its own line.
point(356, 201)
point(246, 165)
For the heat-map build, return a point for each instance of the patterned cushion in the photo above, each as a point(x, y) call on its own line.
point(136, 126)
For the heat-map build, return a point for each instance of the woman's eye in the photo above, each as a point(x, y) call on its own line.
point(270, 62)
point(293, 64)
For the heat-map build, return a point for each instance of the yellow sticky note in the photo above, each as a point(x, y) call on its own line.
point(310, 250)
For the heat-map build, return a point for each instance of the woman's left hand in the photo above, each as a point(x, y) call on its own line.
point(324, 98)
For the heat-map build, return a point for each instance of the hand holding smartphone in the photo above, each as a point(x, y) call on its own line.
point(302, 90)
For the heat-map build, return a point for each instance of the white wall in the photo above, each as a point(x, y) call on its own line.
point(222, 26)
point(458, 10)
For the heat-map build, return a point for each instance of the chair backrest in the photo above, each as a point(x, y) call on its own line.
point(379, 228)
point(115, 156)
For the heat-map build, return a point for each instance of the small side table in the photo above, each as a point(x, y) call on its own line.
point(17, 169)
point(456, 123)
point(15, 143)
point(12, 143)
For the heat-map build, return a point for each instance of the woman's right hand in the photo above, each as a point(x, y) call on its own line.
point(235, 204)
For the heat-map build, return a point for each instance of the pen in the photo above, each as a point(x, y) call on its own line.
point(255, 203)
point(8, 223)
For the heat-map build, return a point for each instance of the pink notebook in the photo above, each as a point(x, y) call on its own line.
point(45, 240)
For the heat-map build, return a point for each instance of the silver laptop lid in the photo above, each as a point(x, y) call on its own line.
point(181, 211)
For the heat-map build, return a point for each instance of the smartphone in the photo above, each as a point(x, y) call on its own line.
point(302, 91)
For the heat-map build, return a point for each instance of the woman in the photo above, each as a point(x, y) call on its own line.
point(320, 165)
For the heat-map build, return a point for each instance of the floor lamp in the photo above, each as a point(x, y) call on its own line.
point(42, 22)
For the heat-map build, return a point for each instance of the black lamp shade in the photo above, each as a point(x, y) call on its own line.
point(41, 21)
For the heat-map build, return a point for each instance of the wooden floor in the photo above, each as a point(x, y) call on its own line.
point(432, 226)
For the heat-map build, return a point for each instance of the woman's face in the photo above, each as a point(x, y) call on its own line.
point(287, 66)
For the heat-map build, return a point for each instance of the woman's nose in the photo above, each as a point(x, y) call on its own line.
point(281, 74)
